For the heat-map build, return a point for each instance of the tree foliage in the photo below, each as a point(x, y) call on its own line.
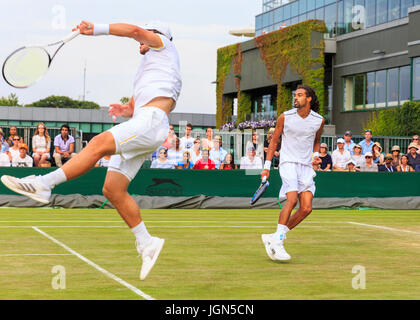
point(63, 102)
point(11, 101)
point(124, 100)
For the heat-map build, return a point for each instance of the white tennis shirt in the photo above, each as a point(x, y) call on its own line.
point(297, 140)
point(158, 75)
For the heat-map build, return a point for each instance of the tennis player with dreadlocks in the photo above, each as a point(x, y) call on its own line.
point(300, 130)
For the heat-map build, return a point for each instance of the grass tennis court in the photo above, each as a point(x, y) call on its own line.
point(209, 254)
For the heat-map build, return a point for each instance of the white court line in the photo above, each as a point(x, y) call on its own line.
point(166, 221)
point(92, 264)
point(35, 254)
point(196, 226)
point(382, 227)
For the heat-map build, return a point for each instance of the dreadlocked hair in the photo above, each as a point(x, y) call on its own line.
point(310, 92)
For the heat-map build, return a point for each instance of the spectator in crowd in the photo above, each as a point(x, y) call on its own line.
point(404, 166)
point(22, 160)
point(387, 166)
point(340, 156)
point(64, 146)
point(357, 156)
point(12, 134)
point(208, 141)
point(195, 152)
point(326, 160)
point(216, 154)
point(162, 162)
point(396, 156)
point(185, 163)
point(413, 156)
point(175, 154)
point(255, 142)
point(220, 144)
point(351, 166)
point(103, 162)
point(367, 143)
point(205, 162)
point(348, 142)
point(251, 161)
point(14, 149)
point(170, 140)
point(266, 145)
point(41, 144)
point(228, 163)
point(377, 154)
point(369, 166)
point(187, 141)
point(415, 141)
point(4, 148)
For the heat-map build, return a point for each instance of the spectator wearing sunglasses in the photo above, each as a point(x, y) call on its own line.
point(14, 150)
point(22, 160)
point(413, 156)
point(41, 144)
point(12, 134)
point(395, 151)
point(368, 165)
point(162, 162)
point(416, 142)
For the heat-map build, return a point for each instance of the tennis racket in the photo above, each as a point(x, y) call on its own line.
point(26, 65)
point(261, 189)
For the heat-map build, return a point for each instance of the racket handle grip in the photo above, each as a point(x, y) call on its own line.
point(71, 36)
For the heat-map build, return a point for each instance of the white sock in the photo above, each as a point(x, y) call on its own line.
point(281, 231)
point(141, 233)
point(54, 178)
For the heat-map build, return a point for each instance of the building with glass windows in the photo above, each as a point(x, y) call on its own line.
point(371, 57)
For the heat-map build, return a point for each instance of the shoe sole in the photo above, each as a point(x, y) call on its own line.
point(10, 185)
point(145, 272)
point(266, 244)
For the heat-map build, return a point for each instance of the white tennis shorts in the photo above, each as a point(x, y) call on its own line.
point(296, 177)
point(136, 139)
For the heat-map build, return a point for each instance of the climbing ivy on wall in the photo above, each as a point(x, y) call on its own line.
point(289, 46)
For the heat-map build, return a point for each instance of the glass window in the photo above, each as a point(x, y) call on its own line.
point(416, 2)
point(330, 18)
point(319, 14)
point(302, 6)
point(258, 22)
point(319, 3)
point(327, 2)
point(286, 12)
point(340, 19)
point(405, 4)
point(380, 89)
point(370, 90)
point(278, 15)
point(270, 17)
point(348, 93)
point(359, 90)
point(311, 5)
point(311, 15)
point(348, 15)
point(381, 11)
point(302, 17)
point(392, 87)
point(295, 20)
point(266, 22)
point(405, 74)
point(416, 79)
point(370, 13)
point(295, 9)
point(393, 9)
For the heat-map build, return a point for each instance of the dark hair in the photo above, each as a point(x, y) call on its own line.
point(189, 125)
point(65, 126)
point(232, 162)
point(310, 92)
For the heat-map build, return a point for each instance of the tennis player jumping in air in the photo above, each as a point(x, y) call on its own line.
point(157, 86)
point(300, 130)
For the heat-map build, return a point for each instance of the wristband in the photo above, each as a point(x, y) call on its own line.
point(315, 154)
point(100, 29)
point(267, 165)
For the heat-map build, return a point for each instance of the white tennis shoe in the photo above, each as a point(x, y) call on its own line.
point(30, 186)
point(274, 247)
point(149, 254)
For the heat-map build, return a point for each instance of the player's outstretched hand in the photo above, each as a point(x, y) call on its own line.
point(265, 173)
point(85, 28)
point(118, 110)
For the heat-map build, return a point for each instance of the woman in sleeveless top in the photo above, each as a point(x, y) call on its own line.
point(228, 163)
point(404, 167)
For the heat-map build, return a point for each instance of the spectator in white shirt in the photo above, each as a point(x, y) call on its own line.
point(187, 141)
point(175, 153)
point(340, 156)
point(41, 144)
point(14, 149)
point(208, 142)
point(162, 161)
point(22, 160)
point(257, 144)
point(251, 161)
point(195, 152)
point(357, 156)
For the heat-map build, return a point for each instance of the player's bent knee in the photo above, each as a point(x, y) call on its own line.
point(307, 210)
point(102, 144)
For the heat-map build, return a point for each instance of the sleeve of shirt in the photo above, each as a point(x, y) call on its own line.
point(153, 165)
point(163, 45)
point(56, 143)
point(71, 139)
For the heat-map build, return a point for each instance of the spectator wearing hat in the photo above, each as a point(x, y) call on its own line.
point(162, 162)
point(413, 156)
point(351, 166)
point(395, 151)
point(377, 154)
point(357, 156)
point(326, 160)
point(217, 154)
point(205, 162)
point(340, 156)
point(387, 166)
point(367, 143)
point(348, 142)
point(368, 165)
point(415, 141)
point(404, 166)
point(22, 160)
point(186, 163)
point(251, 161)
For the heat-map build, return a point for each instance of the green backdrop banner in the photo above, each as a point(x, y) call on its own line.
point(235, 183)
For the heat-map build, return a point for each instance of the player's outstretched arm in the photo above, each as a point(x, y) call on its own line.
point(273, 146)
